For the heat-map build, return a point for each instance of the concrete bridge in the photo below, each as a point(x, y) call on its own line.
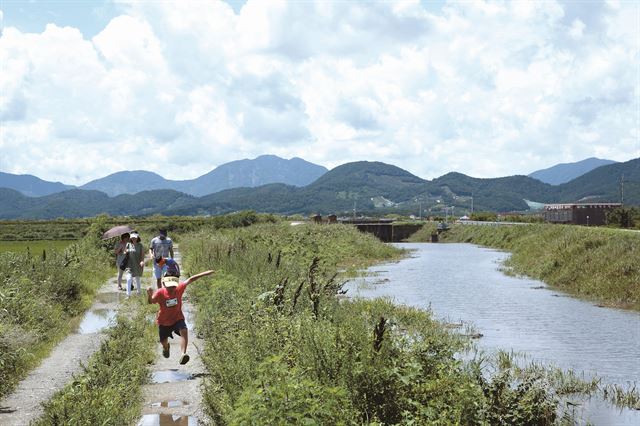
point(384, 229)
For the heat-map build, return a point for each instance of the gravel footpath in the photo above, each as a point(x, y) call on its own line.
point(174, 396)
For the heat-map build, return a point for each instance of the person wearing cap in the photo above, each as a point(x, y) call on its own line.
point(161, 246)
point(170, 317)
point(135, 265)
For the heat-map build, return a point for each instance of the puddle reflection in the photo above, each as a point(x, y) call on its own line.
point(96, 320)
point(170, 376)
point(167, 420)
point(170, 404)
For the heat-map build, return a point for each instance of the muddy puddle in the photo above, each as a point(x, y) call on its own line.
point(167, 420)
point(170, 376)
point(96, 320)
point(170, 404)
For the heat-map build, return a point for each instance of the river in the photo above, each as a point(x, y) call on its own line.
point(464, 283)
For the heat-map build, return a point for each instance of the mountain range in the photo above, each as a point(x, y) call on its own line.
point(367, 187)
point(564, 172)
point(262, 170)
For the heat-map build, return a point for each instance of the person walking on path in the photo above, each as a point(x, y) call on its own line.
point(120, 250)
point(170, 317)
point(135, 266)
point(161, 246)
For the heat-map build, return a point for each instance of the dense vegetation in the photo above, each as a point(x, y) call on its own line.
point(624, 217)
point(597, 263)
point(76, 229)
point(337, 191)
point(40, 293)
point(283, 348)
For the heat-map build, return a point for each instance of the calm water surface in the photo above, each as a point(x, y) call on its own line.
point(463, 282)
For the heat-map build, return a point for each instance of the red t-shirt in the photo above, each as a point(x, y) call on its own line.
point(170, 307)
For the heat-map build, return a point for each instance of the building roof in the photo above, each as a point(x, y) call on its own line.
point(572, 205)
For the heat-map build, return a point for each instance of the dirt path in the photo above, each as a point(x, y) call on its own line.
point(174, 396)
point(25, 403)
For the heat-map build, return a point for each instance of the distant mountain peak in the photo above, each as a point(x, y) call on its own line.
point(565, 172)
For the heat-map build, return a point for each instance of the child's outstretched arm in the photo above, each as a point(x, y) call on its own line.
point(150, 296)
point(197, 276)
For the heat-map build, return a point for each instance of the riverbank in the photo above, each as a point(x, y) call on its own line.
point(283, 346)
point(598, 264)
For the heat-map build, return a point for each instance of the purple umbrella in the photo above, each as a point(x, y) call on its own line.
point(116, 231)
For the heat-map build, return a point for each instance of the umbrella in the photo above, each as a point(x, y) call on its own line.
point(116, 231)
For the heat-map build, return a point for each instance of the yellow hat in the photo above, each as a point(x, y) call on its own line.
point(170, 281)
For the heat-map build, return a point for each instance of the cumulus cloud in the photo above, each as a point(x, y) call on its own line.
point(485, 88)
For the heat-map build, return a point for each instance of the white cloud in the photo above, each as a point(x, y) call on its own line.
point(484, 88)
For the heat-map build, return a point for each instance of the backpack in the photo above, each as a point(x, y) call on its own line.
point(173, 269)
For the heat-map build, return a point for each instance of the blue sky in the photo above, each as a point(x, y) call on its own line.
point(486, 88)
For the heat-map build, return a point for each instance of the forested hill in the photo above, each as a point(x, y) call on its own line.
point(605, 184)
point(369, 187)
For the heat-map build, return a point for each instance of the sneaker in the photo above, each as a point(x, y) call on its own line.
point(165, 352)
point(184, 359)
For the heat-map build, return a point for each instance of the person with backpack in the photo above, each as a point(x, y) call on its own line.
point(161, 246)
point(170, 318)
point(169, 266)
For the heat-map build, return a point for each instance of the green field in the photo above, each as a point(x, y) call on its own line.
point(35, 247)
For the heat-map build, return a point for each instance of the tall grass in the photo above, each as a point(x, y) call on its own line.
point(283, 348)
point(39, 294)
point(596, 263)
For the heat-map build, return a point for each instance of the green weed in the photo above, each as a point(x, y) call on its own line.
point(280, 343)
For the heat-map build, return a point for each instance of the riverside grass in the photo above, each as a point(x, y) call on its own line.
point(40, 295)
point(283, 348)
point(108, 391)
point(599, 264)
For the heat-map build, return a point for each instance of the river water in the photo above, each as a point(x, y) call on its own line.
point(464, 283)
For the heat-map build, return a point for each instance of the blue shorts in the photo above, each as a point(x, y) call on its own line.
point(158, 270)
point(166, 331)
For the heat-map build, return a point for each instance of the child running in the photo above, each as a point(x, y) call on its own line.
point(170, 317)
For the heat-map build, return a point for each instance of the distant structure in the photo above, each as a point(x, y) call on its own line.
point(589, 214)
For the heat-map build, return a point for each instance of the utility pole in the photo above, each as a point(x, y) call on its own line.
point(354, 209)
point(420, 212)
point(622, 191)
point(471, 203)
